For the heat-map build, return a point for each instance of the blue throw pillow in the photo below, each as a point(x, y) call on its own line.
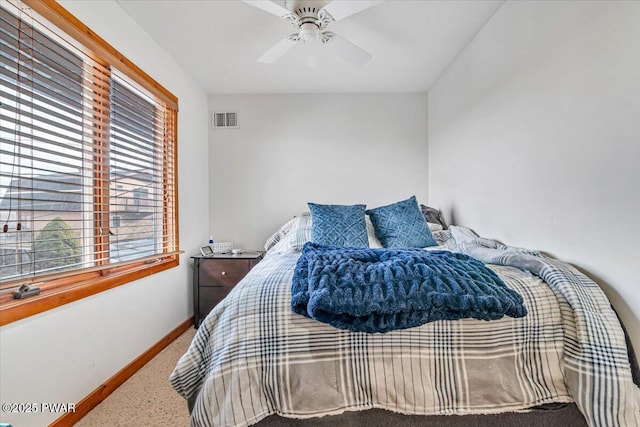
point(339, 225)
point(401, 225)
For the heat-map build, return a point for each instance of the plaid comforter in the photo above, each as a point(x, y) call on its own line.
point(253, 357)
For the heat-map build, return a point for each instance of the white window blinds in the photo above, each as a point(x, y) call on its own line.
point(87, 157)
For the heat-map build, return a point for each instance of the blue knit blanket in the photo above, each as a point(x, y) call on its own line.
point(379, 290)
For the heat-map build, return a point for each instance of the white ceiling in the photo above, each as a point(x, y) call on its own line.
point(217, 42)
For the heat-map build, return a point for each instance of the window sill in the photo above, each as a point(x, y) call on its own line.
point(51, 297)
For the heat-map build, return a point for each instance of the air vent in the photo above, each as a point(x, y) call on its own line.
point(225, 120)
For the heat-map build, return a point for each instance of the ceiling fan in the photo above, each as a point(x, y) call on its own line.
point(311, 18)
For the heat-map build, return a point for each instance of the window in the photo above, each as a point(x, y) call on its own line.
point(87, 160)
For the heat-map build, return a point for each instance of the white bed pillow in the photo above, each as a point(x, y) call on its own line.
point(374, 242)
point(297, 231)
point(435, 227)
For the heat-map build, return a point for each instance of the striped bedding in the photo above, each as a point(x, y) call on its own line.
point(253, 357)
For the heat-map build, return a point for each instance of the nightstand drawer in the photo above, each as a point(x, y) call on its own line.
point(223, 272)
point(210, 296)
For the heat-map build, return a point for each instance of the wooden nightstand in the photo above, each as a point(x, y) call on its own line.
point(214, 276)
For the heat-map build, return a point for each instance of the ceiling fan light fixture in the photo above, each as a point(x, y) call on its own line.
point(309, 32)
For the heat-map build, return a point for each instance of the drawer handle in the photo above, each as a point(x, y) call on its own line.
point(224, 273)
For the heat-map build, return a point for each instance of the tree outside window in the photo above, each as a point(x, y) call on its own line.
point(56, 246)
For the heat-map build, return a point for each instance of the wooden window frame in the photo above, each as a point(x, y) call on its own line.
point(63, 288)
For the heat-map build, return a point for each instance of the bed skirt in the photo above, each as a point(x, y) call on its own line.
point(566, 415)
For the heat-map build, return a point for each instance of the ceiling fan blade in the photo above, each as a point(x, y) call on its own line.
point(276, 51)
point(340, 9)
point(348, 51)
point(269, 6)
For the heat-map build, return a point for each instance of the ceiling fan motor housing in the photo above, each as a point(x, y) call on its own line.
point(311, 21)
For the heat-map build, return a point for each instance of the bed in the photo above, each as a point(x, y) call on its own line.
point(254, 361)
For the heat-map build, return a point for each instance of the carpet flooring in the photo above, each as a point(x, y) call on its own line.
point(147, 398)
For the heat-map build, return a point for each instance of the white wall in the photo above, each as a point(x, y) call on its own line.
point(293, 149)
point(64, 354)
point(534, 138)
